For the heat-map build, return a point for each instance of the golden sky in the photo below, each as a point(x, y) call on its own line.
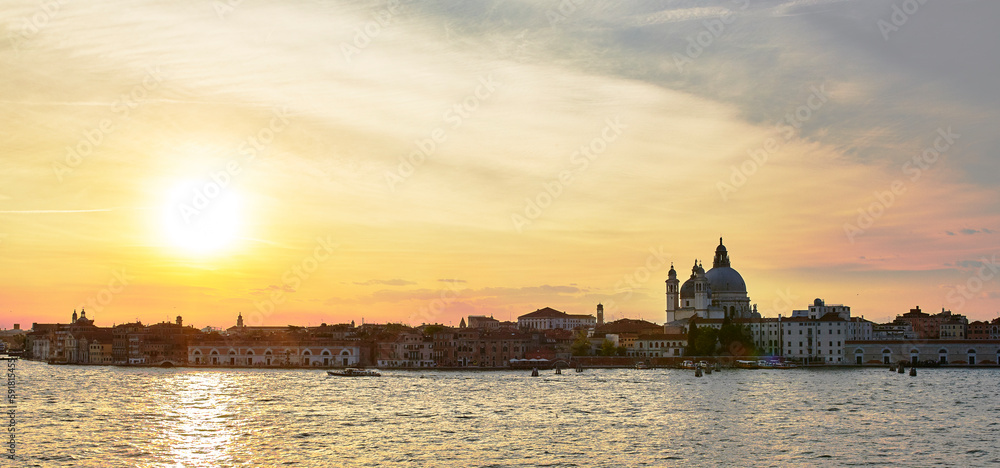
point(306, 162)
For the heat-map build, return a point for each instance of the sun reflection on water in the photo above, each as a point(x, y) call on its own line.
point(203, 431)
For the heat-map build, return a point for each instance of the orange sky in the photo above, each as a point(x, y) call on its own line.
point(421, 162)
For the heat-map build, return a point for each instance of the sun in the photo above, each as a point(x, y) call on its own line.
point(202, 217)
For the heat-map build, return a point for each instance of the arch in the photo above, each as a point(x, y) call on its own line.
point(232, 353)
point(267, 352)
point(347, 352)
point(197, 352)
point(886, 351)
point(306, 353)
point(215, 352)
point(249, 352)
point(972, 351)
point(326, 352)
point(942, 351)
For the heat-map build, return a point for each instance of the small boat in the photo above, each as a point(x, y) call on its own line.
point(641, 365)
point(351, 372)
point(747, 365)
point(783, 365)
point(687, 365)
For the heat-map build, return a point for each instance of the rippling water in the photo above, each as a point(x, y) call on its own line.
point(108, 416)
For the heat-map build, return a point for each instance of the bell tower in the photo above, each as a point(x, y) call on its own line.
point(721, 256)
point(673, 294)
point(701, 291)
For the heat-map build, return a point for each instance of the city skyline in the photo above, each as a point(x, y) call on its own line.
point(423, 162)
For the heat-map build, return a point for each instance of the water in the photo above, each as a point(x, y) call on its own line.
point(109, 416)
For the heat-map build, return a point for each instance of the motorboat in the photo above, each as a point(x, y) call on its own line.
point(351, 372)
point(687, 365)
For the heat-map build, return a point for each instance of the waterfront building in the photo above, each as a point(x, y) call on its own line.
point(549, 319)
point(274, 351)
point(811, 337)
point(123, 349)
point(819, 308)
point(927, 326)
point(623, 333)
point(893, 331)
point(715, 294)
point(658, 345)
point(953, 328)
point(766, 333)
point(482, 321)
point(409, 349)
point(100, 349)
point(943, 352)
point(979, 330)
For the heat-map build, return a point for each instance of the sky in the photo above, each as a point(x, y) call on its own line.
point(307, 161)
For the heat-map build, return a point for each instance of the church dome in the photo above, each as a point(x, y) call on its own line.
point(725, 279)
point(687, 289)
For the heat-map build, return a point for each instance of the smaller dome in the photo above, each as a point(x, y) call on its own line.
point(687, 289)
point(818, 302)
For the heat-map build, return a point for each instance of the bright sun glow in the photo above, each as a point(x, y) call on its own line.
point(202, 217)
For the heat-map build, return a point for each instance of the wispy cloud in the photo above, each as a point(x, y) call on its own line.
point(97, 210)
point(388, 282)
